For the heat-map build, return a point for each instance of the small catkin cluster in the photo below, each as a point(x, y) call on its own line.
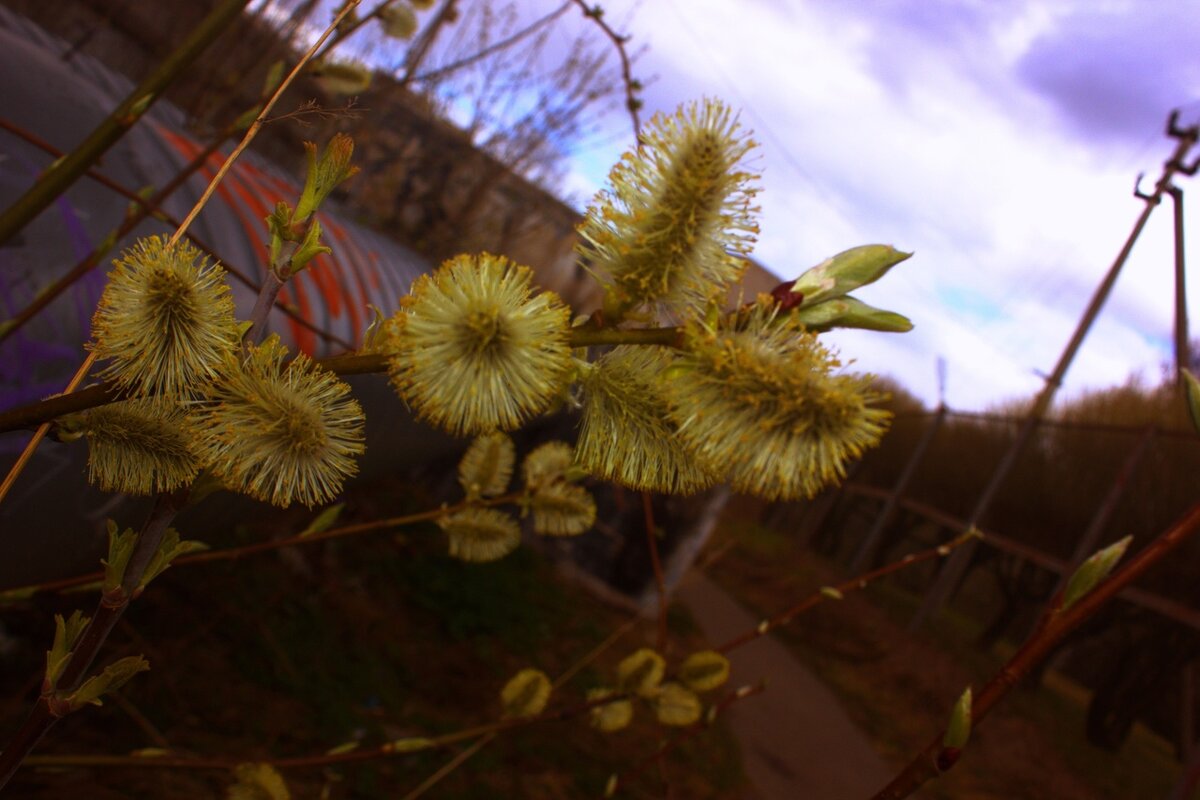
point(279, 433)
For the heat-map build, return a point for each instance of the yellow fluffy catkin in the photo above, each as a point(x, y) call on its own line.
point(675, 224)
point(473, 350)
point(279, 433)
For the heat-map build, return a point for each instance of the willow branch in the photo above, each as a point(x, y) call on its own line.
point(52, 408)
point(1056, 624)
point(853, 584)
point(66, 171)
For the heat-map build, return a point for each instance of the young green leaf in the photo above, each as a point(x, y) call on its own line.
point(526, 694)
point(612, 716)
point(486, 468)
point(847, 271)
point(170, 548)
point(641, 672)
point(114, 676)
point(1191, 386)
point(676, 705)
point(120, 548)
point(1092, 571)
point(66, 634)
point(704, 671)
point(324, 521)
point(849, 312)
point(959, 729)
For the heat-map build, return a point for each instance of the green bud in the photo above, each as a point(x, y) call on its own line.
point(120, 548)
point(849, 312)
point(310, 247)
point(324, 521)
point(847, 271)
point(959, 729)
point(324, 173)
point(1092, 571)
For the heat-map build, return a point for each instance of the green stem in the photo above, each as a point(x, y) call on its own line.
point(65, 172)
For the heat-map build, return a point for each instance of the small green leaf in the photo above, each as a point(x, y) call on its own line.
point(376, 334)
point(959, 729)
point(609, 717)
point(323, 521)
point(120, 548)
point(169, 549)
point(114, 676)
point(486, 468)
point(1092, 571)
point(310, 247)
point(847, 271)
point(526, 694)
point(849, 312)
point(1192, 389)
point(676, 705)
point(66, 634)
point(348, 747)
point(831, 592)
point(704, 671)
point(258, 782)
point(641, 672)
point(330, 169)
point(410, 744)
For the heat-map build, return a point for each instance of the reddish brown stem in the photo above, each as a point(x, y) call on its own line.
point(924, 767)
point(660, 584)
point(860, 582)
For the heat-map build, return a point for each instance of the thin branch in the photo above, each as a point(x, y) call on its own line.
point(151, 207)
point(503, 44)
point(66, 171)
point(688, 733)
point(933, 760)
point(660, 585)
point(34, 414)
point(853, 584)
point(235, 553)
point(633, 103)
point(40, 433)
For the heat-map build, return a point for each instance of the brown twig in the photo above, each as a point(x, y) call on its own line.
point(860, 582)
point(235, 553)
point(147, 207)
point(633, 103)
point(51, 408)
point(932, 761)
point(660, 584)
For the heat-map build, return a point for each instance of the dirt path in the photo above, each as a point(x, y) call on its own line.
point(797, 742)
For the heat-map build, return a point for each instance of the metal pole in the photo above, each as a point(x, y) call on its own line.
point(954, 569)
point(1182, 356)
point(866, 550)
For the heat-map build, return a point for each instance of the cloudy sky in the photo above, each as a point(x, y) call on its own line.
point(999, 141)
